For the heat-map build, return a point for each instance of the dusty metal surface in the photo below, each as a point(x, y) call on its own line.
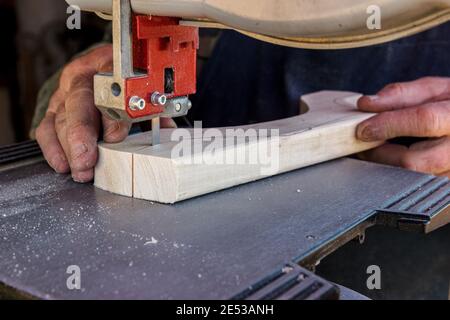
point(215, 246)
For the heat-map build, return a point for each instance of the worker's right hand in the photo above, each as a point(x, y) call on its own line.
point(69, 132)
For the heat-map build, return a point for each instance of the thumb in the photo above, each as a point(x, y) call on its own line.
point(114, 130)
point(168, 123)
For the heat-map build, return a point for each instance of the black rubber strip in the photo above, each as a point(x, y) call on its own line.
point(19, 151)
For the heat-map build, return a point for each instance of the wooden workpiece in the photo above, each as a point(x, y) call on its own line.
point(326, 131)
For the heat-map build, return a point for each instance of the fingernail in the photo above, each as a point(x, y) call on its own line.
point(373, 98)
point(369, 133)
point(78, 150)
point(82, 176)
point(78, 179)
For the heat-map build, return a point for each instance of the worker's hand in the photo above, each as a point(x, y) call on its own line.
point(69, 132)
point(419, 108)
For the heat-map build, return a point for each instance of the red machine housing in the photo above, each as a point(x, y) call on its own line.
point(167, 53)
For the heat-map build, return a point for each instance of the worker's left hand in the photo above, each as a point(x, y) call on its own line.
point(419, 108)
point(69, 132)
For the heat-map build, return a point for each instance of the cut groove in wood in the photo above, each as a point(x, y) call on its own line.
point(327, 131)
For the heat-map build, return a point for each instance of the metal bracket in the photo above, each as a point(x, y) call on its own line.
point(424, 209)
point(109, 89)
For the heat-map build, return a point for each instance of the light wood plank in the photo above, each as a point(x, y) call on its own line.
point(114, 170)
point(325, 132)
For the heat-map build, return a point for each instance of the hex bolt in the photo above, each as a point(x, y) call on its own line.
point(159, 99)
point(136, 103)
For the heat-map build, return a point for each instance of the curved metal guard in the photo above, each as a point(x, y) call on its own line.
point(319, 24)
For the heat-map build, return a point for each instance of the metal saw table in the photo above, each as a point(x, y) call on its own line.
point(246, 242)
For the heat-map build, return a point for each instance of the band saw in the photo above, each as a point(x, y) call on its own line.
point(261, 240)
point(155, 42)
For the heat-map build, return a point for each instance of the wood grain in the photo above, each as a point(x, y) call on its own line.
point(325, 132)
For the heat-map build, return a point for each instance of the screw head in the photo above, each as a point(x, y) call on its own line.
point(178, 107)
point(136, 103)
point(159, 99)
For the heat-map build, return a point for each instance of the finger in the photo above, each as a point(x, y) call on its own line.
point(51, 148)
point(429, 120)
point(168, 123)
point(115, 131)
point(98, 60)
point(390, 154)
point(407, 94)
point(83, 176)
point(431, 156)
point(77, 130)
point(56, 101)
point(61, 130)
point(83, 125)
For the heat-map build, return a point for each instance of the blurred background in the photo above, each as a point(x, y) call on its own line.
point(36, 44)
